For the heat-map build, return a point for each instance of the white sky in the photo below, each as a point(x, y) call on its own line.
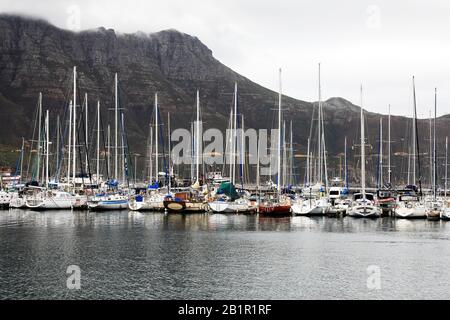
point(380, 44)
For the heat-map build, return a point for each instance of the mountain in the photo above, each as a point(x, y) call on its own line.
point(38, 57)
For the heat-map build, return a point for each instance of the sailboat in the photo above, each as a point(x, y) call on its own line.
point(153, 198)
point(363, 205)
point(279, 205)
point(113, 198)
point(338, 195)
point(385, 195)
point(227, 199)
point(434, 208)
point(316, 202)
point(410, 204)
point(192, 200)
point(45, 198)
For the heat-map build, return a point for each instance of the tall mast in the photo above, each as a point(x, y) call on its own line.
point(98, 142)
point(21, 159)
point(39, 137)
point(108, 159)
point(86, 132)
point(122, 147)
point(434, 144)
point(150, 155)
point(389, 145)
point(156, 139)
point(116, 125)
point(46, 149)
point(380, 181)
point(291, 156)
point(446, 166)
point(319, 135)
point(170, 147)
point(363, 151)
point(279, 135)
point(431, 152)
point(345, 162)
point(57, 148)
point(74, 139)
point(235, 132)
point(231, 146)
point(70, 141)
point(308, 164)
point(414, 135)
point(197, 140)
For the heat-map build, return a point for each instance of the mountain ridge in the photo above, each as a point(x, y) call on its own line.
point(37, 56)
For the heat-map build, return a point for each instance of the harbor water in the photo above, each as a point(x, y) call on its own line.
point(131, 255)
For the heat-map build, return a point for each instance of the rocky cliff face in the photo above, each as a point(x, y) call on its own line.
point(38, 57)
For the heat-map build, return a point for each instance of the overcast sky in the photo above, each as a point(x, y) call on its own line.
point(380, 44)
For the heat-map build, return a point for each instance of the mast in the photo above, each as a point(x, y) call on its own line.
point(380, 181)
point(70, 142)
point(279, 136)
point(231, 146)
point(431, 152)
point(416, 144)
point(434, 145)
point(414, 135)
point(39, 137)
point(74, 139)
point(156, 139)
point(122, 147)
point(291, 156)
point(150, 155)
point(257, 181)
point(57, 148)
point(108, 159)
point(98, 143)
point(389, 146)
point(86, 132)
point(46, 149)
point(446, 166)
point(21, 159)
point(319, 135)
point(345, 162)
point(363, 152)
point(116, 125)
point(235, 133)
point(170, 147)
point(197, 140)
point(308, 165)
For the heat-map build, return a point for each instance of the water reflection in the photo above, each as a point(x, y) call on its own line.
point(147, 255)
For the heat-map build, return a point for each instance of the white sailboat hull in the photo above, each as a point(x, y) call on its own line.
point(364, 211)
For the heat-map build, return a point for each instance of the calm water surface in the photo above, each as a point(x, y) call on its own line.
point(128, 255)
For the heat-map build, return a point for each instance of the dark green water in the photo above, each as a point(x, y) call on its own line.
point(125, 255)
